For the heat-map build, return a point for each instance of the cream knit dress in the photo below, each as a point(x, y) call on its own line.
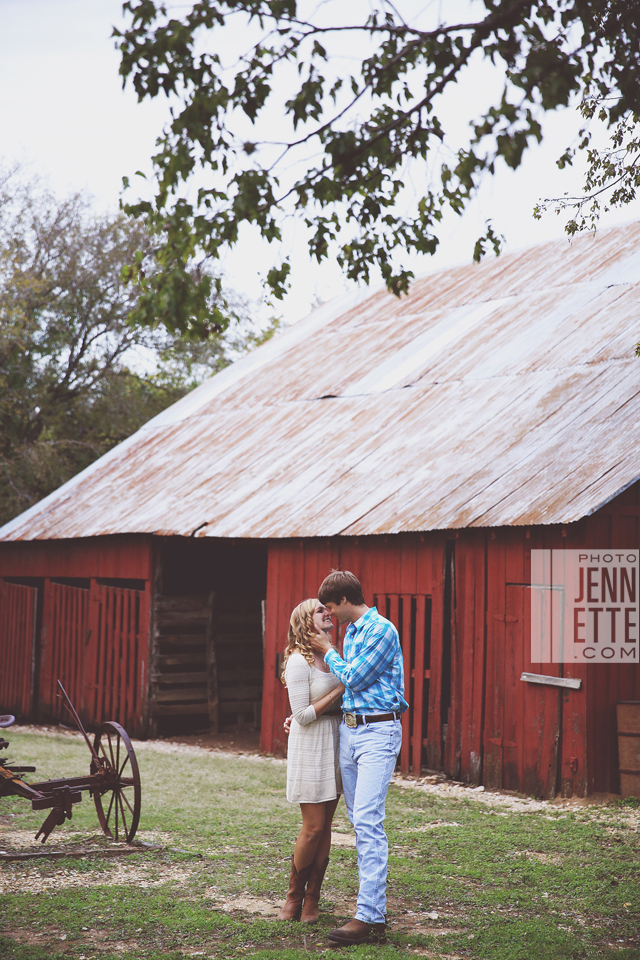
point(313, 755)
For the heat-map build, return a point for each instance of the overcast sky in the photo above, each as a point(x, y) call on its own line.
point(64, 114)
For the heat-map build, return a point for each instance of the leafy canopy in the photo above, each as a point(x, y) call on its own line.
point(75, 377)
point(326, 110)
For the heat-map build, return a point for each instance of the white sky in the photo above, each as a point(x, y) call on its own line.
point(64, 114)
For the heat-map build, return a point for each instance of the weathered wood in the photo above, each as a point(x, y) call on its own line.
point(179, 709)
point(212, 667)
point(176, 660)
point(552, 681)
point(193, 622)
point(198, 677)
point(404, 630)
point(183, 639)
point(185, 695)
point(422, 606)
point(18, 609)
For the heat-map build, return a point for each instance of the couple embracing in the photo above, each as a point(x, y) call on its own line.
point(345, 736)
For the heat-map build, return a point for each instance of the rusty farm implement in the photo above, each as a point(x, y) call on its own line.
point(113, 781)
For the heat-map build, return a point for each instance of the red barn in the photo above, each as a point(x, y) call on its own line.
point(427, 444)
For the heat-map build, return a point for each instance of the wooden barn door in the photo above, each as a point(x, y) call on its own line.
point(412, 616)
point(65, 634)
point(522, 720)
point(93, 640)
point(115, 659)
point(18, 615)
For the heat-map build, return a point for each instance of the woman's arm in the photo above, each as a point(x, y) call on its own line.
point(296, 675)
point(329, 699)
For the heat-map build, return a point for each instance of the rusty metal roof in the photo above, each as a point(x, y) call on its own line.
point(495, 394)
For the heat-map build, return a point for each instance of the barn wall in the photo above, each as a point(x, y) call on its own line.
point(404, 575)
point(471, 714)
point(78, 612)
point(616, 526)
point(18, 617)
point(123, 557)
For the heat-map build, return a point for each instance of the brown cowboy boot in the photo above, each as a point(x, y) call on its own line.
point(312, 893)
point(293, 903)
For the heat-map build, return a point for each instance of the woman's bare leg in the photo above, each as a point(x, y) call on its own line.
point(324, 843)
point(311, 833)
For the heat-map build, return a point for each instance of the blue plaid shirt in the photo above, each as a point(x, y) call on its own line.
point(372, 669)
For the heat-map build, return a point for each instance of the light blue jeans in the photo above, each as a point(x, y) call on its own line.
point(368, 755)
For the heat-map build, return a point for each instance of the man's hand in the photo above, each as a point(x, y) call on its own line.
point(321, 642)
point(287, 725)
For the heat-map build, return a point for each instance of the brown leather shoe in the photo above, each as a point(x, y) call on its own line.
point(312, 893)
point(293, 903)
point(357, 931)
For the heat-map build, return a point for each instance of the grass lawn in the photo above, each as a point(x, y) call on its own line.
point(471, 876)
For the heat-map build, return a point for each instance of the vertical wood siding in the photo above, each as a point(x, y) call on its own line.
point(95, 641)
point(65, 635)
point(118, 668)
point(403, 574)
point(617, 526)
point(18, 608)
point(462, 605)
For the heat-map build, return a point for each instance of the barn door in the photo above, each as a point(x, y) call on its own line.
point(18, 612)
point(113, 655)
point(65, 634)
point(522, 720)
point(411, 614)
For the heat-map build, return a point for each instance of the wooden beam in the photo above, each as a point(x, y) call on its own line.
point(552, 681)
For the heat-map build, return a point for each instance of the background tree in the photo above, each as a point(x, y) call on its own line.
point(282, 127)
point(75, 377)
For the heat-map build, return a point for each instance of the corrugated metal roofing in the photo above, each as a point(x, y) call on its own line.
point(494, 394)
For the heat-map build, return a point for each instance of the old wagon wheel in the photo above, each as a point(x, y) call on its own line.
point(117, 799)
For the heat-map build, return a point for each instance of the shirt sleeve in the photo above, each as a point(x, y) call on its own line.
point(296, 675)
point(377, 653)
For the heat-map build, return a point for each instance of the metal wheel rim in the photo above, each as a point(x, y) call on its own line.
point(118, 805)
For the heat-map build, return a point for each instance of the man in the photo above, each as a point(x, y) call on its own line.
point(370, 739)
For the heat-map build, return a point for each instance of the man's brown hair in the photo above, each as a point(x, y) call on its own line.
point(339, 584)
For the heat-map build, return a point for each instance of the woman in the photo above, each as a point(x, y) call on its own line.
point(313, 757)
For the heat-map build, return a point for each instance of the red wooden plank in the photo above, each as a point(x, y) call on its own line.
point(408, 661)
point(17, 624)
point(470, 616)
point(46, 639)
point(269, 690)
point(143, 640)
point(88, 702)
point(408, 545)
point(496, 651)
point(436, 564)
point(418, 686)
point(100, 650)
point(513, 736)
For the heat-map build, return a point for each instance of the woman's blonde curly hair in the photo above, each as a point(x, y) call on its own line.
point(301, 630)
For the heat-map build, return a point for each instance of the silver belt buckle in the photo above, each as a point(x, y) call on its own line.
point(350, 720)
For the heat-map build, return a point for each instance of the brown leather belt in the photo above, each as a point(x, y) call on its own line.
point(356, 719)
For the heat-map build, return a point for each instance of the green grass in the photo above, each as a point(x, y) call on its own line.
point(559, 882)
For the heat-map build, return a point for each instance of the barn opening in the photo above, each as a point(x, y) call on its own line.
point(207, 641)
